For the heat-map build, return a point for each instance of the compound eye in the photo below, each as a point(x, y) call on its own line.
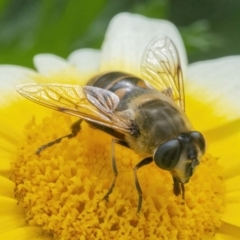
point(199, 140)
point(167, 155)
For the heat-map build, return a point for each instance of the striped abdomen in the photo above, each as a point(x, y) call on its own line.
point(125, 86)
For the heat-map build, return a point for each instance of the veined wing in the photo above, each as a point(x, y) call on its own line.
point(161, 67)
point(92, 104)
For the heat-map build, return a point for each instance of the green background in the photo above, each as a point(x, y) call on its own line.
point(210, 28)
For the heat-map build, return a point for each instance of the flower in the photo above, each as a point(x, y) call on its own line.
point(57, 195)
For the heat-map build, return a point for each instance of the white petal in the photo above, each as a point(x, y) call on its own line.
point(85, 60)
point(218, 82)
point(48, 64)
point(127, 37)
point(10, 76)
point(57, 69)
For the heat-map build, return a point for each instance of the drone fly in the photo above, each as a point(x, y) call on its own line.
point(144, 114)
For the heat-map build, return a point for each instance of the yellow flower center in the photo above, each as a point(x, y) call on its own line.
point(61, 190)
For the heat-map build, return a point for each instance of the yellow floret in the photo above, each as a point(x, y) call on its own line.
point(61, 190)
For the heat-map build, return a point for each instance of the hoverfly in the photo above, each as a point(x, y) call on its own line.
point(145, 115)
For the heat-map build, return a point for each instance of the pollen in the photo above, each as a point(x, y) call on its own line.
point(61, 189)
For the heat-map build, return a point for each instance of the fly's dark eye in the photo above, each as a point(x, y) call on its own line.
point(199, 140)
point(167, 155)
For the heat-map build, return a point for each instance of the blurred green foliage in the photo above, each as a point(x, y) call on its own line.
point(209, 29)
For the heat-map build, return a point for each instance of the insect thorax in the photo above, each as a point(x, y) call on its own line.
point(157, 121)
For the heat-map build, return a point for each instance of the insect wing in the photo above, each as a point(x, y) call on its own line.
point(89, 103)
point(161, 68)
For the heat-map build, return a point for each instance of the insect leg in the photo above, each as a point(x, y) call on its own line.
point(144, 162)
point(178, 187)
point(115, 171)
point(75, 128)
